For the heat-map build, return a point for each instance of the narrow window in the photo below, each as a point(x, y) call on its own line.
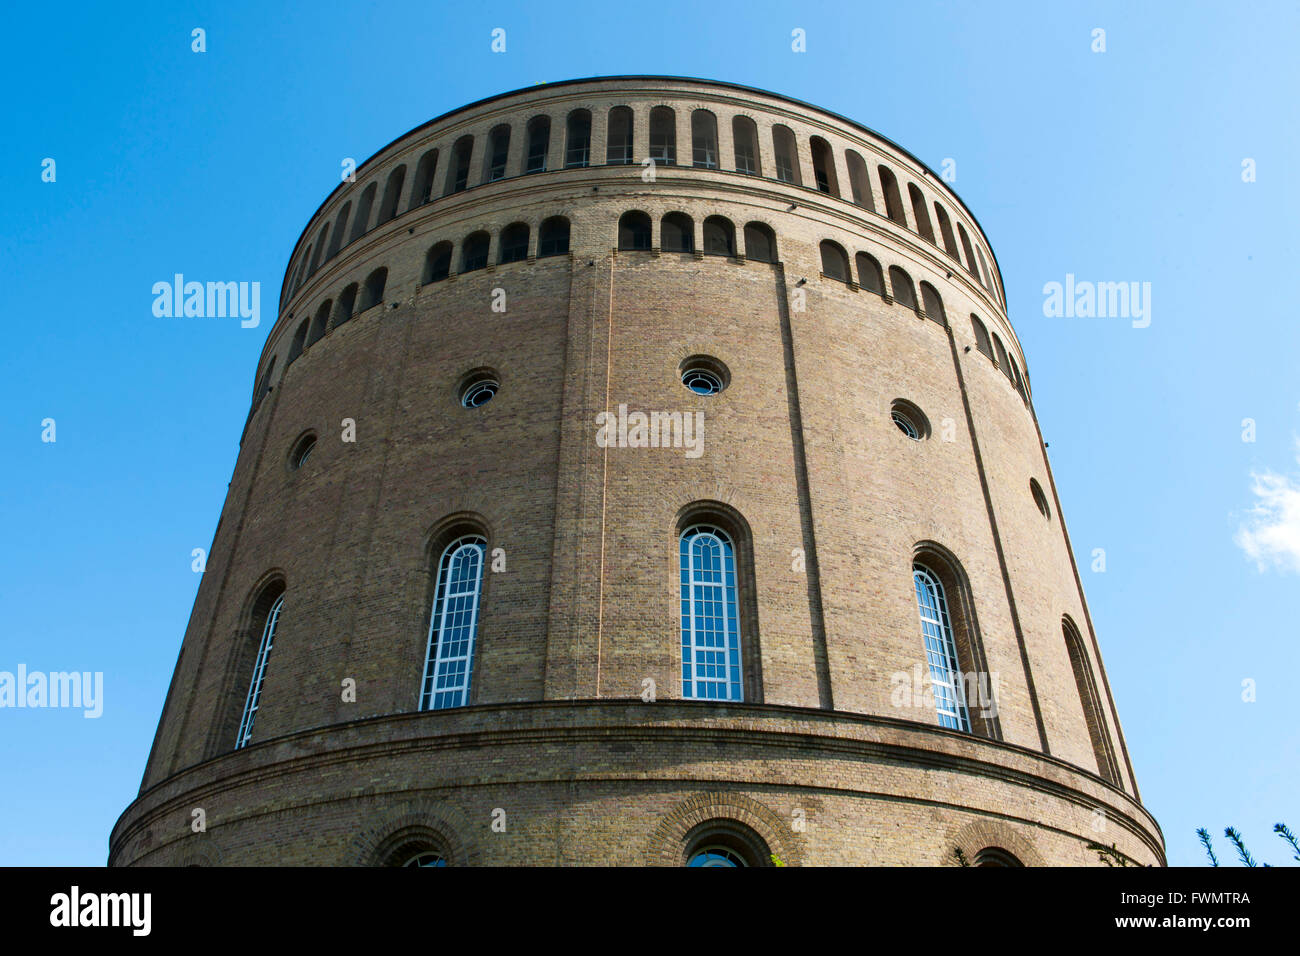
point(458, 168)
point(437, 263)
point(373, 292)
point(320, 248)
point(744, 135)
point(514, 242)
point(474, 251)
point(835, 262)
point(497, 153)
point(945, 230)
point(760, 242)
point(988, 282)
point(1001, 353)
point(320, 324)
point(340, 227)
point(1091, 702)
point(710, 620)
point(933, 304)
point(299, 342)
point(919, 212)
point(901, 285)
point(539, 142)
point(634, 231)
point(663, 136)
point(869, 274)
point(704, 140)
point(970, 251)
point(347, 299)
point(449, 657)
point(719, 237)
point(787, 159)
point(893, 200)
point(859, 182)
point(422, 188)
point(940, 650)
point(553, 237)
point(981, 336)
point(392, 195)
point(577, 150)
point(677, 233)
point(362, 222)
point(254, 697)
point(824, 166)
point(618, 147)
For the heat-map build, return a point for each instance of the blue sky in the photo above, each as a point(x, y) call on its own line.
point(1117, 166)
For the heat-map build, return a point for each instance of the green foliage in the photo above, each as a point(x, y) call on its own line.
point(1239, 844)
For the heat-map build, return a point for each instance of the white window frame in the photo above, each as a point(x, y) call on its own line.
point(438, 661)
point(254, 696)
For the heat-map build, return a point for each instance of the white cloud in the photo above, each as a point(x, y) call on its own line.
point(1270, 534)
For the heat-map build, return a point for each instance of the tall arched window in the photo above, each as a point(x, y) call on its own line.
point(940, 650)
point(514, 243)
point(577, 146)
point(362, 222)
point(933, 304)
point(437, 263)
point(786, 155)
point(835, 261)
point(970, 252)
point(392, 195)
point(1001, 353)
point(919, 212)
point(1088, 697)
point(347, 299)
point(372, 294)
point(893, 200)
point(744, 136)
point(539, 143)
point(269, 619)
point(704, 140)
point(981, 336)
point(553, 237)
point(474, 251)
point(634, 231)
point(453, 624)
point(264, 388)
point(663, 136)
point(984, 268)
point(498, 153)
point(320, 324)
point(677, 233)
point(340, 227)
point(710, 616)
point(859, 183)
point(299, 342)
point(422, 188)
point(458, 168)
point(824, 166)
point(945, 230)
point(618, 145)
point(760, 242)
point(320, 248)
point(900, 283)
point(719, 237)
point(869, 275)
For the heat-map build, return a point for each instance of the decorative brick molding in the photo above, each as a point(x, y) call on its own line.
point(420, 824)
point(986, 834)
point(667, 844)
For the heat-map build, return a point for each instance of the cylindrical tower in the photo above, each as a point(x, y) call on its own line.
point(640, 470)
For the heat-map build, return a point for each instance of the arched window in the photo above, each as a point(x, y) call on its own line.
point(919, 212)
point(1091, 702)
point(362, 222)
point(677, 233)
point(340, 227)
point(760, 242)
point(786, 155)
point(824, 166)
point(347, 299)
point(265, 387)
point(422, 188)
point(859, 182)
point(618, 145)
point(945, 230)
point(372, 294)
point(1001, 353)
point(301, 275)
point(981, 336)
point(893, 201)
point(634, 231)
point(726, 843)
point(933, 304)
point(987, 282)
point(474, 251)
point(320, 248)
point(1013, 373)
point(539, 143)
point(710, 616)
point(744, 136)
point(835, 261)
point(719, 237)
point(577, 147)
point(996, 856)
point(266, 616)
point(869, 275)
point(498, 153)
point(940, 650)
point(453, 625)
point(970, 252)
point(663, 136)
point(321, 323)
point(900, 284)
point(299, 342)
point(553, 237)
point(458, 168)
point(514, 243)
point(392, 195)
point(704, 140)
point(437, 262)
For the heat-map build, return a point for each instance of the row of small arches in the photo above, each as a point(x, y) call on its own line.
point(577, 152)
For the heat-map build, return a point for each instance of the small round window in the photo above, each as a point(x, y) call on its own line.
point(704, 375)
point(1040, 499)
point(478, 388)
point(302, 451)
point(909, 420)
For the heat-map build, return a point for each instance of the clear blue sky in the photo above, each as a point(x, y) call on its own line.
point(1115, 166)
